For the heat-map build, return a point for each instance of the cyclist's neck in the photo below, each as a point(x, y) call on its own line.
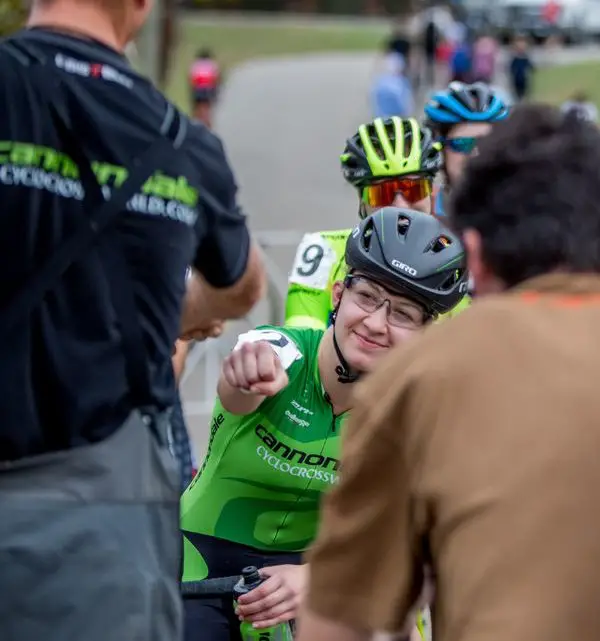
point(83, 20)
point(339, 394)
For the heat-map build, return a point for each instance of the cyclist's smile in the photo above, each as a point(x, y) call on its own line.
point(369, 343)
point(365, 335)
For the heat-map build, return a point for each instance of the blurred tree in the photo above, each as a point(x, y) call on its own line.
point(168, 38)
point(304, 6)
point(404, 7)
point(374, 7)
point(12, 15)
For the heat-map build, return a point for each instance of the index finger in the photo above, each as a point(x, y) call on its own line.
point(271, 585)
point(266, 362)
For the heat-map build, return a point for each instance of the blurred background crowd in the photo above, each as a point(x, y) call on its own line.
point(431, 43)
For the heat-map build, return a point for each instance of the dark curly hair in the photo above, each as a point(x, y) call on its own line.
point(533, 194)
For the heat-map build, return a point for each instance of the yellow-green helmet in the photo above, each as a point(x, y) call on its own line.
point(385, 148)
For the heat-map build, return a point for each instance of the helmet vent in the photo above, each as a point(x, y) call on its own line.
point(390, 129)
point(439, 244)
point(350, 162)
point(373, 136)
point(403, 225)
point(367, 235)
point(450, 281)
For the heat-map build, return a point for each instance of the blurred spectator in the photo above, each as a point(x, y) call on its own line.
point(485, 57)
point(461, 62)
point(581, 106)
point(205, 75)
point(457, 31)
point(392, 93)
point(205, 82)
point(400, 43)
point(457, 35)
point(444, 53)
point(431, 40)
point(521, 69)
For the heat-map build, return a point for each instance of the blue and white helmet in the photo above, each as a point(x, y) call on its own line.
point(461, 102)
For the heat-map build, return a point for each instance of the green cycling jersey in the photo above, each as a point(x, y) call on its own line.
point(264, 473)
point(318, 264)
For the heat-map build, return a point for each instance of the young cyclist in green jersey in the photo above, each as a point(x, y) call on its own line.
point(389, 162)
point(283, 394)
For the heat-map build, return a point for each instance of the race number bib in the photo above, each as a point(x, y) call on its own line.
point(282, 345)
point(314, 261)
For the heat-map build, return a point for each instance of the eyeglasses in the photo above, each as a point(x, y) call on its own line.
point(462, 145)
point(370, 297)
point(383, 193)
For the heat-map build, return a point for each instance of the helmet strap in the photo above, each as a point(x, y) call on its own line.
point(362, 210)
point(344, 373)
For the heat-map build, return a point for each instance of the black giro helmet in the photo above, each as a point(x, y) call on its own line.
point(411, 253)
point(390, 147)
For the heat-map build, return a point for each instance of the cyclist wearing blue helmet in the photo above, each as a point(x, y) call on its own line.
point(460, 115)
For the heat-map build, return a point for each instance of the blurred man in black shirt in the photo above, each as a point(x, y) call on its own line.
point(430, 45)
point(399, 43)
point(88, 536)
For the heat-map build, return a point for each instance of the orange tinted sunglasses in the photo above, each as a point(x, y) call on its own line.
point(383, 194)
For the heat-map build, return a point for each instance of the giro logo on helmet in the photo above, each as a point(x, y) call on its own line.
point(404, 267)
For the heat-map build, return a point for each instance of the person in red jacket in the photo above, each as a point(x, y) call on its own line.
point(205, 81)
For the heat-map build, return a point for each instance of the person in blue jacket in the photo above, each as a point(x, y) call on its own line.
point(392, 93)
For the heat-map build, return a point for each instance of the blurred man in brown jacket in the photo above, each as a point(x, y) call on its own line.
point(474, 450)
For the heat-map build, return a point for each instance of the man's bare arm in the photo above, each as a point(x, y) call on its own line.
point(205, 304)
point(181, 352)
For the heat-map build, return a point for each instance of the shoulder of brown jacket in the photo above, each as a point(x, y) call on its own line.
point(475, 334)
point(434, 374)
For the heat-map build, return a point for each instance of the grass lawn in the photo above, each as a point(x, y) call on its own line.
point(556, 84)
point(234, 44)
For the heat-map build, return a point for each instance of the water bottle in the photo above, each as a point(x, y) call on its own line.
point(250, 580)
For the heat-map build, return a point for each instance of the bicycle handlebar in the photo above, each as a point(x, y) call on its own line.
point(221, 586)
